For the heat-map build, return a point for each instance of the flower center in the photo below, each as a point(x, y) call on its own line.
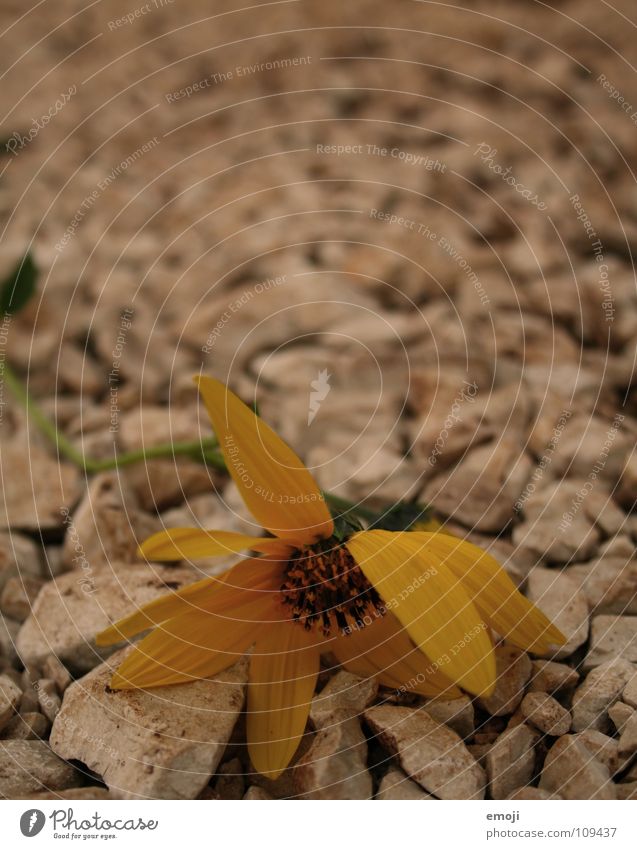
point(323, 585)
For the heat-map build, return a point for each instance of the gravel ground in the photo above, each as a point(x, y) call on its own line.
point(425, 210)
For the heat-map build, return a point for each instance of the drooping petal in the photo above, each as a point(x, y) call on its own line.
point(283, 671)
point(430, 602)
point(248, 579)
point(495, 595)
point(195, 645)
point(195, 543)
point(278, 490)
point(383, 648)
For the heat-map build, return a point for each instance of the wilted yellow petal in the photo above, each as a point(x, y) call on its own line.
point(277, 488)
point(383, 648)
point(430, 602)
point(248, 579)
point(495, 595)
point(196, 543)
point(195, 645)
point(283, 671)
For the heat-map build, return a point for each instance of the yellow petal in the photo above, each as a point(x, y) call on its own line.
point(384, 649)
point(283, 670)
point(195, 645)
point(247, 579)
point(430, 602)
point(496, 597)
point(277, 488)
point(195, 543)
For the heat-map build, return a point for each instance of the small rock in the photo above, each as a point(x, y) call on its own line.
point(456, 713)
point(513, 670)
point(106, 528)
point(608, 584)
point(395, 785)
point(630, 691)
point(18, 596)
point(601, 688)
point(612, 637)
point(430, 753)
point(603, 747)
point(571, 771)
point(54, 669)
point(344, 691)
point(71, 610)
point(48, 698)
point(550, 677)
point(36, 486)
point(159, 744)
point(8, 636)
point(335, 765)
point(628, 737)
point(10, 696)
point(256, 793)
point(29, 766)
point(559, 597)
point(619, 714)
point(546, 714)
point(532, 794)
point(18, 556)
point(26, 726)
point(510, 761)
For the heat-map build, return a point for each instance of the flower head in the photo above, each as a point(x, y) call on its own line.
point(414, 608)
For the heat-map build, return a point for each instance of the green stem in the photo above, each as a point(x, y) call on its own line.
point(204, 450)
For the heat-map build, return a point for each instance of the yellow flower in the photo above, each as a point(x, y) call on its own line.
point(413, 608)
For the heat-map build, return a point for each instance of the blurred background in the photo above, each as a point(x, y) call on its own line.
point(405, 230)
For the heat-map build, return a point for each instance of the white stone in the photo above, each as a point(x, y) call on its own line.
point(163, 743)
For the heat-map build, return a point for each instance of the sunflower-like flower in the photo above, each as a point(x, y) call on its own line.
point(413, 608)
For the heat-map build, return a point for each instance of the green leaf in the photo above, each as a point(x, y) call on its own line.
point(18, 288)
point(401, 516)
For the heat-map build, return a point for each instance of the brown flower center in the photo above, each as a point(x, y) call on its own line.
point(323, 586)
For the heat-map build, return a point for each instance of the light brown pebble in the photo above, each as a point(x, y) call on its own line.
point(605, 748)
point(29, 766)
point(458, 714)
point(572, 771)
point(53, 668)
point(430, 753)
point(335, 765)
point(628, 736)
point(601, 688)
point(619, 714)
point(559, 597)
point(18, 596)
point(395, 786)
point(510, 761)
point(550, 677)
point(26, 726)
point(10, 695)
point(48, 698)
point(139, 740)
point(612, 638)
point(344, 691)
point(546, 714)
point(630, 691)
